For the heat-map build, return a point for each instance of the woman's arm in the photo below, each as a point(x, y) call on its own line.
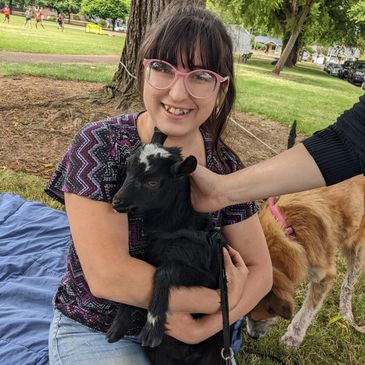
point(290, 171)
point(101, 240)
point(248, 239)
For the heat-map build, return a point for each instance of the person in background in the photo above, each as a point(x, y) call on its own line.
point(185, 75)
point(61, 21)
point(6, 12)
point(329, 156)
point(39, 18)
point(29, 14)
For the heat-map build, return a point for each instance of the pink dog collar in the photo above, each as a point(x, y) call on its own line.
point(289, 230)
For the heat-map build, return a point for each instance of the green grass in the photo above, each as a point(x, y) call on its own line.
point(304, 93)
point(325, 343)
point(74, 40)
point(102, 73)
point(28, 186)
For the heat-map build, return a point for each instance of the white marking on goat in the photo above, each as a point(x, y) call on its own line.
point(152, 150)
point(151, 319)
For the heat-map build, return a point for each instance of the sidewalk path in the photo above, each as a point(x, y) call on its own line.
point(22, 57)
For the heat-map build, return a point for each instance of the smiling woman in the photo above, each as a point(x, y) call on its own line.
point(188, 92)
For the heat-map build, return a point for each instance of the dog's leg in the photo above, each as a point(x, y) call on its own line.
point(317, 290)
point(355, 261)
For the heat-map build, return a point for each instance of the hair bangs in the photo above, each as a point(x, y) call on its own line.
point(194, 48)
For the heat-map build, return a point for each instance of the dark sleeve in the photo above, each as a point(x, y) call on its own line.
point(339, 150)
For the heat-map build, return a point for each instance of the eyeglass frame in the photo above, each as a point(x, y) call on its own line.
point(184, 75)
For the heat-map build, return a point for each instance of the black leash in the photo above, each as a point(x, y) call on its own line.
point(226, 352)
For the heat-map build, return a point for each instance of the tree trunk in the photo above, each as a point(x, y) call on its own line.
point(293, 56)
point(143, 13)
point(293, 38)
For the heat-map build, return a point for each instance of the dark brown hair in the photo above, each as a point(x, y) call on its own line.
point(178, 33)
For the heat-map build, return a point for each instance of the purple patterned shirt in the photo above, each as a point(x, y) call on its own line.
point(94, 167)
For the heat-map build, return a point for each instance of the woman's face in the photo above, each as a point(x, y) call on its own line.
point(174, 111)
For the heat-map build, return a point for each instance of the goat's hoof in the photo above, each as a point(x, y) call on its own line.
point(290, 340)
point(150, 336)
point(113, 337)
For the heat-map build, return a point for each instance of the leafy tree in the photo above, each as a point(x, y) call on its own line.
point(302, 22)
point(67, 7)
point(105, 9)
point(357, 12)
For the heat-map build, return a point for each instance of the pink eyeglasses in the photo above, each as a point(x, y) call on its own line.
point(200, 84)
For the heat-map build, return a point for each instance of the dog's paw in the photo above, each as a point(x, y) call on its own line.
point(151, 335)
point(290, 340)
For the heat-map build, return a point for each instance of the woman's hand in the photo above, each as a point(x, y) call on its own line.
point(236, 272)
point(184, 328)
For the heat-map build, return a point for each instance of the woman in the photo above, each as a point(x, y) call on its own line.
point(332, 155)
point(185, 71)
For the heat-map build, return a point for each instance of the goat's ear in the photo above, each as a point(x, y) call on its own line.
point(185, 167)
point(158, 137)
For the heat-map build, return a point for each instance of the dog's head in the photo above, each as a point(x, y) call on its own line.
point(279, 302)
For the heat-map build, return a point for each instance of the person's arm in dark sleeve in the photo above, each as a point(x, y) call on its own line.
point(339, 150)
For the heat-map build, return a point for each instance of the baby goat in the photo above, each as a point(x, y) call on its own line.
point(178, 245)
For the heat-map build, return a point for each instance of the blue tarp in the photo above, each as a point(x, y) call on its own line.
point(33, 244)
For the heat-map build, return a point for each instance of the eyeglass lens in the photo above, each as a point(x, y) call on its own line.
point(199, 83)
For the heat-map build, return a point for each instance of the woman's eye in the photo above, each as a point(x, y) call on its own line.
point(160, 67)
point(202, 76)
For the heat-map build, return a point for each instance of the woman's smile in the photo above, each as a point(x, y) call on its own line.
point(176, 112)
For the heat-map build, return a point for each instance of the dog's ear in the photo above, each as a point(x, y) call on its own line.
point(280, 306)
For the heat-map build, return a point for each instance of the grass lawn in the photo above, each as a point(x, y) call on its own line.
point(95, 72)
point(305, 93)
point(74, 39)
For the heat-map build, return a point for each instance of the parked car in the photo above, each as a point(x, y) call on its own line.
point(343, 72)
point(333, 70)
point(122, 28)
point(356, 73)
point(327, 65)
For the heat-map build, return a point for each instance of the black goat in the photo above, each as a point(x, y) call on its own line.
point(179, 245)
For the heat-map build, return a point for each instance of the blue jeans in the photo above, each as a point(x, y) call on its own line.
point(71, 343)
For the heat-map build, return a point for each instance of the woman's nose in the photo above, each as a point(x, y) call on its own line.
point(178, 90)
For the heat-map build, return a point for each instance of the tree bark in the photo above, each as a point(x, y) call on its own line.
point(142, 15)
point(293, 56)
point(294, 36)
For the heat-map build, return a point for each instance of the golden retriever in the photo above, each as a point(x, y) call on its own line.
point(324, 220)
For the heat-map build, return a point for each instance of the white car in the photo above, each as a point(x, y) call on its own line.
point(122, 28)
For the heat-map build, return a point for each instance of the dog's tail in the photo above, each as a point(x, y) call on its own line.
point(292, 135)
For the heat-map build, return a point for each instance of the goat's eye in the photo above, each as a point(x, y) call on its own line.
point(152, 184)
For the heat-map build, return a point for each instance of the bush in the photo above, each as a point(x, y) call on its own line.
point(76, 17)
point(52, 18)
point(102, 23)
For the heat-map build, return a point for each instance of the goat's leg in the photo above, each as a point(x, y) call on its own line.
point(317, 290)
point(355, 261)
point(118, 327)
point(167, 276)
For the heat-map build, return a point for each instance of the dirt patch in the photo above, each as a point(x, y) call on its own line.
point(39, 117)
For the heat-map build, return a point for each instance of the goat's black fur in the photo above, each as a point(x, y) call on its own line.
point(178, 245)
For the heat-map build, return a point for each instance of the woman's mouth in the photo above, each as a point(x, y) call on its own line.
point(177, 112)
